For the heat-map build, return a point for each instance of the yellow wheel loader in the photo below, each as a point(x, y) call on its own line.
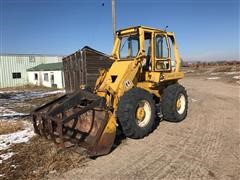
point(140, 87)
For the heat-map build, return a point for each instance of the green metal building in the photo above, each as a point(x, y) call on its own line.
point(13, 67)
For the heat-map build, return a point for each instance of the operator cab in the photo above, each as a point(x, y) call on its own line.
point(154, 46)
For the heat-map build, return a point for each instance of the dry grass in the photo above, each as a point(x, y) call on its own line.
point(30, 105)
point(27, 87)
point(42, 100)
point(37, 158)
point(10, 126)
point(224, 72)
point(227, 68)
point(223, 69)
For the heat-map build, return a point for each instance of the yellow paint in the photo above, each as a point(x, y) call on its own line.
point(178, 104)
point(140, 114)
point(125, 74)
point(111, 124)
point(150, 87)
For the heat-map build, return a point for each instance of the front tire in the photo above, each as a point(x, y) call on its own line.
point(136, 113)
point(174, 103)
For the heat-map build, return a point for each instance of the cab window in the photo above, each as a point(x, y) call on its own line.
point(172, 55)
point(147, 62)
point(129, 46)
point(161, 47)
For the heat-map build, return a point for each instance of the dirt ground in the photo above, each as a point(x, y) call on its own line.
point(19, 157)
point(38, 158)
point(206, 145)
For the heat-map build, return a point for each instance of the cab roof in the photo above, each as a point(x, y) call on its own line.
point(132, 28)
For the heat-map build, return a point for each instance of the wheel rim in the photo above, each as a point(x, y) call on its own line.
point(181, 104)
point(143, 113)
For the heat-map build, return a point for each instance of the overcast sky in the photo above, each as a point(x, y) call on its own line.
point(205, 29)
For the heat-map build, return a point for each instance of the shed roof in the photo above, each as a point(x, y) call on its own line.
point(87, 48)
point(47, 67)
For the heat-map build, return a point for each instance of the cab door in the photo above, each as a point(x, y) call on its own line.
point(161, 53)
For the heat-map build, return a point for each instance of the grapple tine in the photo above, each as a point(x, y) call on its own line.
point(36, 129)
point(73, 127)
point(41, 128)
point(60, 132)
point(45, 129)
point(51, 133)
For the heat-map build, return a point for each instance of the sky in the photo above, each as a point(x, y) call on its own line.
point(204, 29)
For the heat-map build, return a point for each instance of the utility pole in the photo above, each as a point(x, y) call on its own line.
point(114, 18)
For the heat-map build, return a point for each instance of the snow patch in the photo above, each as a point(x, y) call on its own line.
point(5, 156)
point(213, 78)
point(231, 73)
point(190, 71)
point(54, 92)
point(14, 166)
point(6, 140)
point(214, 74)
point(6, 92)
point(236, 77)
point(193, 100)
point(11, 97)
point(5, 112)
point(28, 95)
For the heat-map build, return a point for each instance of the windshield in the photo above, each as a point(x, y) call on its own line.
point(129, 46)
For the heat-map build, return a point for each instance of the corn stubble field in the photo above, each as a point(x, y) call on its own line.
point(205, 145)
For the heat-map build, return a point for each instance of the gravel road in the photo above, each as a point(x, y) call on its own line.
point(205, 145)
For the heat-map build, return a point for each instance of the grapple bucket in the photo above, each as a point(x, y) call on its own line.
point(79, 118)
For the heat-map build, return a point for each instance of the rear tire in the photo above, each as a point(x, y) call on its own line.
point(174, 103)
point(136, 113)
